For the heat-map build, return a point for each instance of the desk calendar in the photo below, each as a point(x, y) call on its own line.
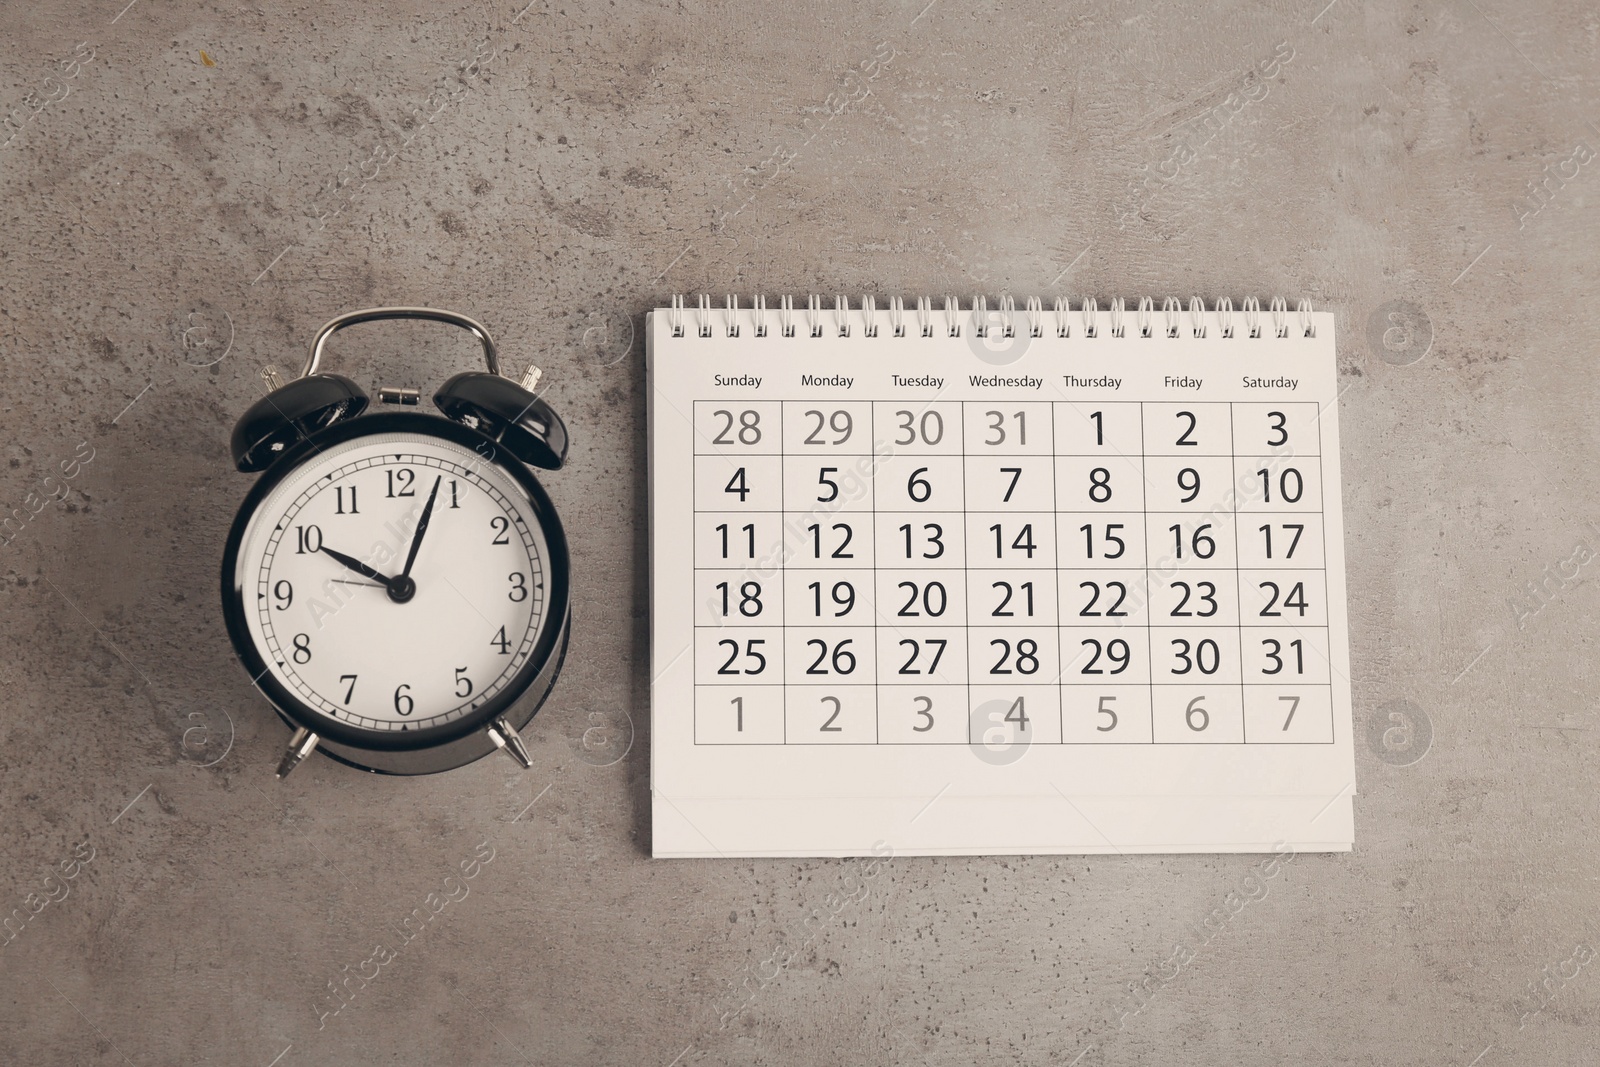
point(967, 580)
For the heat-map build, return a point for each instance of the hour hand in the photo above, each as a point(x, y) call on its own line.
point(359, 567)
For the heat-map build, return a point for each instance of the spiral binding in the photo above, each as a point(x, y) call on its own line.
point(839, 320)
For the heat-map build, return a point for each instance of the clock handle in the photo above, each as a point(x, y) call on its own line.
point(491, 355)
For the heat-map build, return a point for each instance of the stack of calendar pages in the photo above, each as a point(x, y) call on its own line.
point(943, 578)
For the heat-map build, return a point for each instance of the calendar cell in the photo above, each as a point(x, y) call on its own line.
point(832, 715)
point(1194, 598)
point(739, 715)
point(1288, 715)
point(826, 485)
point(917, 428)
point(935, 541)
point(1112, 597)
point(1108, 540)
point(1280, 656)
point(1188, 430)
point(1203, 713)
point(922, 715)
point(1283, 484)
point(922, 656)
point(1291, 599)
point(831, 541)
point(1010, 483)
point(1097, 655)
point(1181, 655)
point(1012, 656)
point(1095, 429)
point(824, 597)
point(1006, 720)
point(748, 656)
point(827, 427)
point(915, 598)
point(738, 427)
point(752, 540)
point(1099, 483)
point(1280, 541)
point(1182, 542)
point(919, 483)
point(1188, 483)
point(1105, 715)
point(1282, 429)
point(829, 655)
point(731, 598)
point(1019, 539)
point(1018, 597)
point(738, 483)
point(1008, 429)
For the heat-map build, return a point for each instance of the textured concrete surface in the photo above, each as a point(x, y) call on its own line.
point(193, 189)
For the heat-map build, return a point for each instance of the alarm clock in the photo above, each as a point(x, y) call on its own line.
point(397, 583)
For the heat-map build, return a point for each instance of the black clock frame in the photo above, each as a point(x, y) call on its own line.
point(435, 748)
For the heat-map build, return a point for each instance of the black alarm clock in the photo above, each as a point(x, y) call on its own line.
point(397, 583)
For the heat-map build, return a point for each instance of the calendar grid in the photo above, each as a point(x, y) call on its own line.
point(860, 678)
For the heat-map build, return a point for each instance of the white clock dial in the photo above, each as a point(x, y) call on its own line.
point(416, 655)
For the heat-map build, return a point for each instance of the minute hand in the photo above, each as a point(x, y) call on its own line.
point(357, 566)
point(422, 527)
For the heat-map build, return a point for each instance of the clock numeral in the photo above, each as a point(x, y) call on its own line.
point(500, 641)
point(283, 593)
point(302, 648)
point(402, 700)
point(403, 478)
point(502, 528)
point(463, 680)
point(348, 693)
point(519, 587)
point(453, 501)
point(307, 539)
point(338, 493)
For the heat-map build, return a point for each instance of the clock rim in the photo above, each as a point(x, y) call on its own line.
point(557, 605)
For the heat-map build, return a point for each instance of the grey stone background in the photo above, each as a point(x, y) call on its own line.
point(193, 190)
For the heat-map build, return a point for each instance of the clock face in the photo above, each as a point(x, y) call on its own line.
point(395, 582)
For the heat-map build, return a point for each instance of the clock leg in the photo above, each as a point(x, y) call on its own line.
point(505, 736)
point(300, 746)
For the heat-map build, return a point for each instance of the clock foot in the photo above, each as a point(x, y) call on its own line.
point(300, 746)
point(505, 736)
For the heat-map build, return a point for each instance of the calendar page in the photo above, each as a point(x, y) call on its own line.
point(967, 581)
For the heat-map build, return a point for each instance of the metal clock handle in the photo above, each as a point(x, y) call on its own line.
point(491, 355)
